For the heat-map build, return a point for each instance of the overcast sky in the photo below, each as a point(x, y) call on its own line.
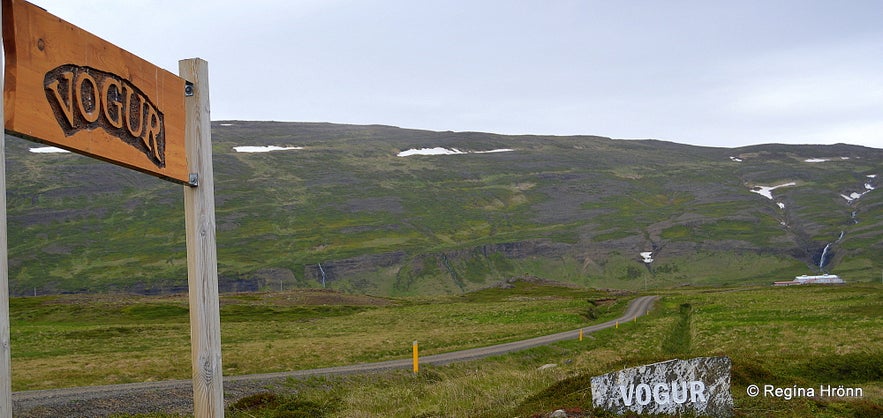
point(718, 73)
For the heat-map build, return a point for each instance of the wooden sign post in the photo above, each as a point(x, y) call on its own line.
point(202, 258)
point(66, 87)
point(5, 354)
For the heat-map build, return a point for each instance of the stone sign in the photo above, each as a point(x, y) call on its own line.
point(698, 386)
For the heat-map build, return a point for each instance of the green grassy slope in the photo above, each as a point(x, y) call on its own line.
point(777, 336)
point(578, 209)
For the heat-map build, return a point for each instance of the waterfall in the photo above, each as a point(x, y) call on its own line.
point(454, 275)
point(323, 274)
point(824, 255)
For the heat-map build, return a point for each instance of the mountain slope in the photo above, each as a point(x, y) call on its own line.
point(343, 207)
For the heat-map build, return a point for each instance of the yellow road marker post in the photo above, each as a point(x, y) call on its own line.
point(416, 358)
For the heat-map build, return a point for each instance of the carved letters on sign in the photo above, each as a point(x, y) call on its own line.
point(698, 386)
point(69, 88)
point(84, 98)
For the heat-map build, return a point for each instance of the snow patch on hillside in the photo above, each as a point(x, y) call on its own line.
point(47, 150)
point(268, 148)
point(492, 151)
point(446, 151)
point(857, 195)
point(767, 191)
point(430, 151)
point(822, 160)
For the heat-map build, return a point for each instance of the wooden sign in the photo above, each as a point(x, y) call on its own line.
point(64, 86)
point(69, 88)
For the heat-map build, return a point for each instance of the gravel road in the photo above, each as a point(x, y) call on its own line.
point(175, 396)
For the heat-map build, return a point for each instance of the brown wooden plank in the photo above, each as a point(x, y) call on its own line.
point(69, 88)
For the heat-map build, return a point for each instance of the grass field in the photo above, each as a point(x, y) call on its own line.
point(798, 336)
point(81, 340)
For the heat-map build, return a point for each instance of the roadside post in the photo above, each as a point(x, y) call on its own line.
point(68, 88)
point(416, 360)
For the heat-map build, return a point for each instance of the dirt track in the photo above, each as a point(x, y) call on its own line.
point(175, 396)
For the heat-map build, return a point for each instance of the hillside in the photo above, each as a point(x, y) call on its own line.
point(342, 206)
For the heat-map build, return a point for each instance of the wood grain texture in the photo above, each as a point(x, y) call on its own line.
point(202, 263)
point(38, 43)
point(5, 354)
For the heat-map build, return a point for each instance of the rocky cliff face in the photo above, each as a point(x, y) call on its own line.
point(381, 214)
